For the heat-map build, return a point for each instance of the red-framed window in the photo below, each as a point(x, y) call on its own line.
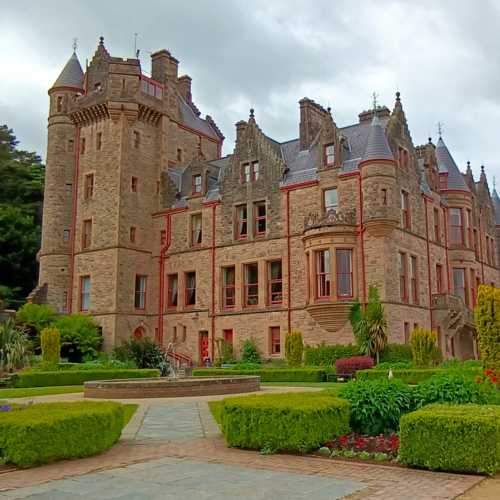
point(405, 210)
point(468, 217)
point(437, 226)
point(439, 278)
point(228, 336)
point(98, 141)
point(140, 291)
point(196, 230)
point(89, 186)
point(87, 233)
point(407, 333)
point(323, 274)
point(473, 291)
point(133, 234)
point(246, 173)
point(255, 171)
point(196, 184)
point(137, 139)
point(274, 282)
point(403, 277)
point(228, 287)
point(163, 237)
point(190, 289)
point(459, 285)
point(414, 279)
point(329, 155)
point(443, 181)
point(241, 222)
point(251, 285)
point(343, 262)
point(275, 339)
point(84, 293)
point(173, 290)
point(456, 226)
point(82, 145)
point(134, 184)
point(330, 200)
point(260, 221)
point(403, 157)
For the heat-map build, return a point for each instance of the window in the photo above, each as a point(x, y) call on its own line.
point(87, 233)
point(173, 283)
point(84, 293)
point(66, 235)
point(407, 332)
point(456, 226)
point(384, 196)
point(140, 292)
point(196, 230)
point(403, 277)
point(323, 274)
point(184, 333)
point(414, 279)
point(443, 181)
point(133, 232)
point(59, 103)
point(251, 273)
point(459, 283)
point(137, 139)
point(437, 229)
point(329, 155)
point(179, 154)
point(472, 289)
point(82, 145)
point(330, 199)
point(174, 334)
point(241, 222)
point(134, 185)
point(190, 280)
point(157, 187)
point(343, 258)
point(98, 141)
point(228, 287)
point(470, 242)
point(197, 184)
point(274, 333)
point(439, 278)
point(228, 336)
point(260, 218)
point(245, 174)
point(163, 237)
point(255, 170)
point(69, 189)
point(405, 210)
point(71, 145)
point(403, 157)
point(476, 245)
point(89, 186)
point(275, 282)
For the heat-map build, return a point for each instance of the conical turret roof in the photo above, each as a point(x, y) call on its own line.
point(446, 164)
point(377, 147)
point(71, 75)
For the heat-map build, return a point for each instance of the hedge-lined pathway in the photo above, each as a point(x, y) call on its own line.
point(173, 449)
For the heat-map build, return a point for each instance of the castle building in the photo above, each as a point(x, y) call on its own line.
point(148, 229)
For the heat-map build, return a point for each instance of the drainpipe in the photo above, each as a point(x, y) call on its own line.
point(445, 212)
point(428, 258)
point(214, 207)
point(163, 258)
point(362, 243)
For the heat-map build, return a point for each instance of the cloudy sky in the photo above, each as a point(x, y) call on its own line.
point(441, 55)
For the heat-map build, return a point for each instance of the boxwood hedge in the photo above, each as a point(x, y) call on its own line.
point(410, 376)
point(75, 377)
point(456, 438)
point(270, 374)
point(46, 432)
point(293, 421)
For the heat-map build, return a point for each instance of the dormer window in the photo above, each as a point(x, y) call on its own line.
point(250, 172)
point(197, 184)
point(329, 155)
point(403, 157)
point(255, 170)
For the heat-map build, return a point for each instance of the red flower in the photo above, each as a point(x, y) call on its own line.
point(493, 378)
point(488, 372)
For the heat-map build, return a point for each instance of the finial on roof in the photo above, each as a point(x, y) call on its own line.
point(252, 113)
point(398, 96)
point(468, 164)
point(440, 129)
point(75, 45)
point(482, 169)
point(101, 41)
point(329, 110)
point(430, 140)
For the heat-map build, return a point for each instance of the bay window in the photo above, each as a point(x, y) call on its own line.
point(323, 274)
point(329, 155)
point(343, 258)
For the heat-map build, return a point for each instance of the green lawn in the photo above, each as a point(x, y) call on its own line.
point(22, 392)
point(322, 385)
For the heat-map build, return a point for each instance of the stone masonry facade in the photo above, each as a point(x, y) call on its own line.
point(148, 229)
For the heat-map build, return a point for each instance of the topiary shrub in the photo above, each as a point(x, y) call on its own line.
point(425, 351)
point(347, 367)
point(250, 352)
point(50, 340)
point(487, 316)
point(143, 352)
point(377, 406)
point(326, 355)
point(294, 348)
point(396, 353)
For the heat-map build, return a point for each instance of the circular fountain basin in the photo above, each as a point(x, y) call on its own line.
point(170, 388)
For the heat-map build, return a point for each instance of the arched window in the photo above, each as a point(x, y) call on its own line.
point(139, 333)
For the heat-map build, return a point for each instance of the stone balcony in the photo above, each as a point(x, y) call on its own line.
point(332, 218)
point(456, 313)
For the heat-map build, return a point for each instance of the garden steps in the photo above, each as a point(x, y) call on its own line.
point(331, 316)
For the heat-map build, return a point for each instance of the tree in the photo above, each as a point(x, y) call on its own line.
point(50, 339)
point(487, 316)
point(294, 348)
point(424, 348)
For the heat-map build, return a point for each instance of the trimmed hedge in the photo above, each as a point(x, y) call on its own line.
point(396, 353)
point(75, 377)
point(292, 422)
point(455, 438)
point(410, 376)
point(269, 374)
point(326, 355)
point(46, 432)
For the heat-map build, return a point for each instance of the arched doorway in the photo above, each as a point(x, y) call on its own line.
point(139, 333)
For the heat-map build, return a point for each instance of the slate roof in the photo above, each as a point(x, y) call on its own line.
point(496, 206)
point(192, 120)
point(377, 147)
point(446, 164)
point(71, 75)
point(301, 164)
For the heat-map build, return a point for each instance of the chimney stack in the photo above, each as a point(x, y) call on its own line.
point(185, 87)
point(164, 67)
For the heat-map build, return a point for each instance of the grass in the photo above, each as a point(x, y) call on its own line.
point(128, 412)
point(215, 408)
point(27, 392)
point(322, 385)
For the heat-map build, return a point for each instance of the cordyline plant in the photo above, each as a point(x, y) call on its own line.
point(13, 347)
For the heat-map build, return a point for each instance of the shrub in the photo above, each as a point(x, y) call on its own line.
point(246, 366)
point(424, 347)
point(50, 340)
point(225, 352)
point(143, 352)
point(376, 406)
point(46, 432)
point(294, 348)
point(487, 316)
point(400, 365)
point(326, 355)
point(74, 377)
point(268, 374)
point(396, 353)
point(36, 316)
point(410, 376)
point(455, 438)
point(347, 367)
point(293, 422)
point(249, 352)
point(13, 347)
point(80, 337)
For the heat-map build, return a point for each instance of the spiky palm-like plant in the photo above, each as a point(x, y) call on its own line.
point(13, 347)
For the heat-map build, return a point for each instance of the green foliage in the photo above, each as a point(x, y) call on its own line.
point(294, 348)
point(424, 348)
point(144, 353)
point(268, 374)
point(293, 422)
point(246, 366)
point(46, 432)
point(376, 406)
point(487, 316)
point(35, 316)
point(75, 377)
point(225, 352)
point(13, 347)
point(250, 352)
point(455, 438)
point(411, 376)
point(80, 337)
point(399, 365)
point(326, 355)
point(396, 353)
point(50, 339)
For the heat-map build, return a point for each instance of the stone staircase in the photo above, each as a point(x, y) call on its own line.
point(331, 316)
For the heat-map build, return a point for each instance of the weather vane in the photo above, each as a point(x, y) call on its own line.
point(440, 128)
point(75, 44)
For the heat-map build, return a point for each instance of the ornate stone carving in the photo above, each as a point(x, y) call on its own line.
point(330, 218)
